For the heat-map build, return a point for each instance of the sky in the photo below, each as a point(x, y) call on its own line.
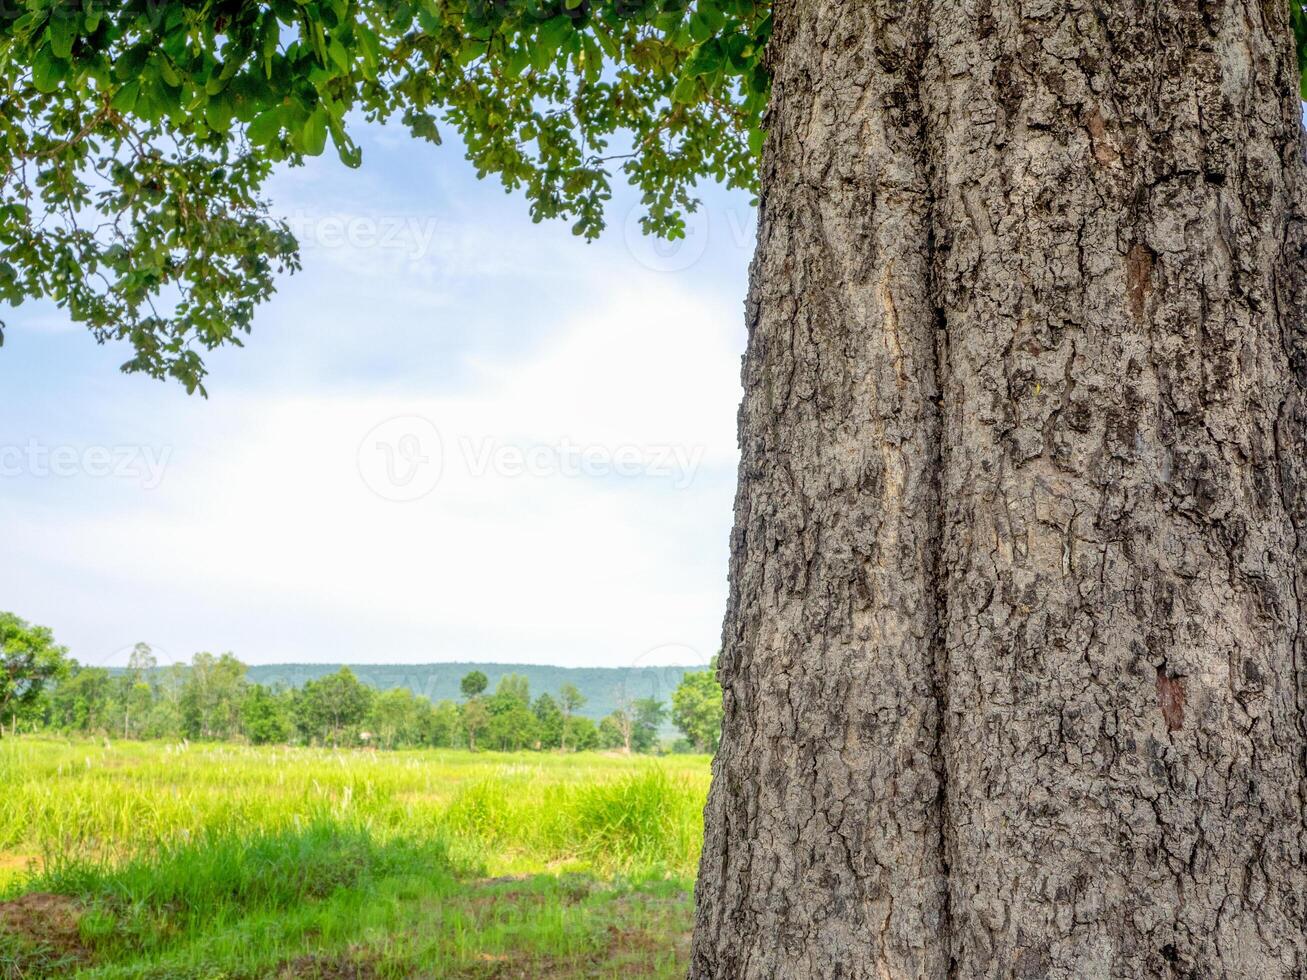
point(455, 435)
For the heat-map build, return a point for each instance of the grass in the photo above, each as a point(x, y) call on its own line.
point(144, 860)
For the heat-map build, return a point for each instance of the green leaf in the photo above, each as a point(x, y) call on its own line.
point(265, 128)
point(606, 41)
point(48, 70)
point(553, 32)
point(423, 126)
point(62, 31)
point(706, 59)
point(269, 41)
point(370, 49)
point(124, 100)
point(168, 73)
point(350, 155)
point(706, 21)
point(314, 132)
point(686, 91)
point(470, 52)
point(218, 113)
point(428, 20)
point(131, 62)
point(339, 55)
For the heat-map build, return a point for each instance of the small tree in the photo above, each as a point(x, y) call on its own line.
point(80, 702)
point(512, 726)
point(581, 733)
point(697, 708)
point(614, 731)
point(29, 661)
point(442, 724)
point(473, 684)
point(475, 718)
point(212, 695)
point(166, 710)
point(647, 716)
point(136, 693)
point(622, 720)
point(570, 701)
point(633, 727)
point(550, 720)
point(399, 717)
point(263, 717)
point(512, 689)
point(332, 706)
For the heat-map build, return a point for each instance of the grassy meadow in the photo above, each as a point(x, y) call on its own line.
point(136, 859)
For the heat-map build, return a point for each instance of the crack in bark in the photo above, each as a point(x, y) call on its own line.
point(938, 520)
point(939, 661)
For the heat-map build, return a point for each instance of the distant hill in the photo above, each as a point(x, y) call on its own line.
point(602, 686)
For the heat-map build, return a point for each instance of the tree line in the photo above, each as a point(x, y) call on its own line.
point(211, 698)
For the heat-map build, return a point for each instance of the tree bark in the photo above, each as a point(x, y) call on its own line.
point(1014, 667)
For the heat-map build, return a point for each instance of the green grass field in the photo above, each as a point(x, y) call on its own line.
point(216, 861)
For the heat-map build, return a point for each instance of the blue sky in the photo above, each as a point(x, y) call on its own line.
point(455, 435)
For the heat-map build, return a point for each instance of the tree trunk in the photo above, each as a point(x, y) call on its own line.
point(1013, 669)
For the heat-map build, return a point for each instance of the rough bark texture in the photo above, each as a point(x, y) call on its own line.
point(1014, 668)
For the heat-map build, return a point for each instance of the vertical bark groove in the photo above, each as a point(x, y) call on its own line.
point(939, 572)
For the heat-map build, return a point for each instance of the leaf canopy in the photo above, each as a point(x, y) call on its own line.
point(136, 136)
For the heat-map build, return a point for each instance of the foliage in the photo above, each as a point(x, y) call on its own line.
point(697, 708)
point(398, 717)
point(648, 716)
point(212, 699)
point(264, 717)
point(135, 696)
point(29, 661)
point(211, 695)
point(612, 731)
point(511, 725)
point(600, 689)
point(549, 722)
point(444, 731)
point(81, 702)
point(633, 727)
point(580, 734)
point(570, 701)
point(512, 729)
point(135, 138)
point(473, 684)
point(331, 709)
point(475, 718)
point(512, 691)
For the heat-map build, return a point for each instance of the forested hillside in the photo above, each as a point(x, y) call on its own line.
point(602, 687)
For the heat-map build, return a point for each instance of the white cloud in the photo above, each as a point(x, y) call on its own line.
point(527, 349)
point(263, 508)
